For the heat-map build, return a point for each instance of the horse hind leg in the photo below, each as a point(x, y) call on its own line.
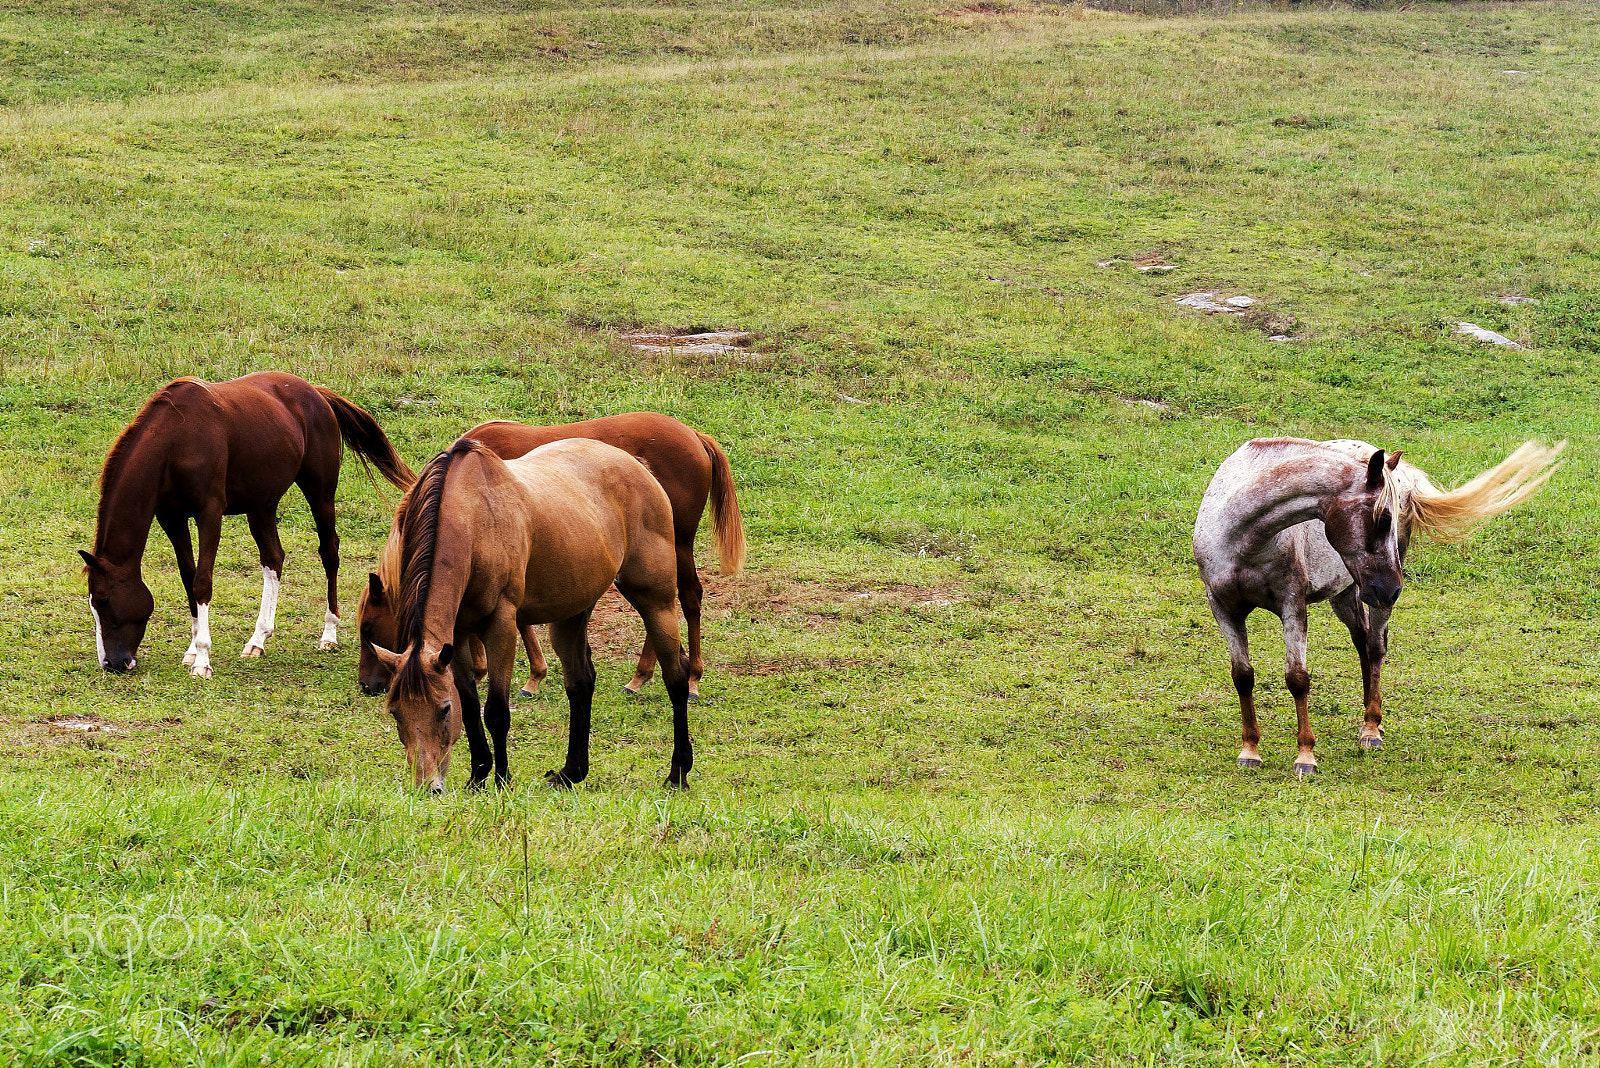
point(319, 495)
point(690, 595)
point(264, 529)
point(538, 667)
point(570, 640)
point(661, 623)
point(1244, 683)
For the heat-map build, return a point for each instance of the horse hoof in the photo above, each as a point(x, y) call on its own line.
point(676, 784)
point(1372, 743)
point(188, 660)
point(629, 692)
point(252, 652)
point(1249, 762)
point(524, 692)
point(558, 780)
point(202, 672)
point(1304, 771)
point(693, 696)
point(327, 647)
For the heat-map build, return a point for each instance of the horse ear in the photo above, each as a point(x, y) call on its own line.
point(374, 588)
point(89, 561)
point(445, 655)
point(1394, 460)
point(391, 660)
point(1375, 470)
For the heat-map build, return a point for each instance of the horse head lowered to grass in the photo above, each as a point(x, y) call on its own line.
point(1287, 522)
point(201, 450)
point(692, 469)
point(489, 547)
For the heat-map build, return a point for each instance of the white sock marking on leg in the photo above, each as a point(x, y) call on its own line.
point(194, 628)
point(202, 644)
point(330, 631)
point(267, 618)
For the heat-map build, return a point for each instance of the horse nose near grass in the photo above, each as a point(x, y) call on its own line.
point(119, 665)
point(1381, 594)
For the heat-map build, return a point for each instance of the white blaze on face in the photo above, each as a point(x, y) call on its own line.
point(99, 638)
point(202, 643)
point(267, 618)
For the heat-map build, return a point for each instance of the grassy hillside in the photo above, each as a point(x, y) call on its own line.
point(965, 786)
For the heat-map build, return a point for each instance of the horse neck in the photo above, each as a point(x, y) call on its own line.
point(1279, 495)
point(128, 499)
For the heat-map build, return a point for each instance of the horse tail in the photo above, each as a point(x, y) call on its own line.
point(366, 439)
point(1452, 515)
point(724, 508)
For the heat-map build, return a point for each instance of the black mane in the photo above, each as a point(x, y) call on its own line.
point(419, 525)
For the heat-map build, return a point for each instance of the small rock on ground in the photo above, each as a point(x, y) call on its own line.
point(1474, 330)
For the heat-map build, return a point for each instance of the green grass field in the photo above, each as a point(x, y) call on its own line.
point(965, 789)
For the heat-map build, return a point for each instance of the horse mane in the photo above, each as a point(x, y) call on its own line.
point(1451, 515)
point(131, 434)
point(417, 523)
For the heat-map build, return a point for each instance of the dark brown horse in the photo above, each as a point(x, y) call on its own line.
point(200, 450)
point(690, 466)
point(492, 546)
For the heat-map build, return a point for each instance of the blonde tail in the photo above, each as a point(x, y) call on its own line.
point(1452, 515)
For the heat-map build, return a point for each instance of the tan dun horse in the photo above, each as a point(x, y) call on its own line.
point(200, 450)
point(491, 546)
point(690, 466)
point(1287, 522)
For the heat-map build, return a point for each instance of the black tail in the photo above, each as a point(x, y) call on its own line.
point(366, 439)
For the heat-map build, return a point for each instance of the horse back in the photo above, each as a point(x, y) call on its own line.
point(672, 451)
point(594, 513)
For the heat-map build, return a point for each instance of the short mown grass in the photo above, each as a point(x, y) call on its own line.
point(964, 788)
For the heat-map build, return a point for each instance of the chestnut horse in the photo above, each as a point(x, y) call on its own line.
point(690, 466)
point(1286, 523)
point(491, 546)
point(200, 450)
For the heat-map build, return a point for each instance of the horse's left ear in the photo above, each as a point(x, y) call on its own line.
point(1394, 460)
point(374, 589)
point(390, 659)
point(444, 656)
point(89, 561)
point(1375, 470)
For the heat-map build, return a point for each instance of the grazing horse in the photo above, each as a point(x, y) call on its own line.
point(690, 466)
point(201, 450)
point(1287, 522)
point(491, 546)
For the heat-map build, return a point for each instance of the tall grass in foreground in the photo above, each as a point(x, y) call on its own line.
point(202, 920)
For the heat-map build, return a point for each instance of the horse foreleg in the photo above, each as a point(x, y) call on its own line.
point(500, 650)
point(537, 667)
point(1369, 634)
point(570, 640)
point(1377, 647)
point(264, 528)
point(1298, 680)
point(177, 530)
point(1233, 630)
point(472, 720)
point(209, 527)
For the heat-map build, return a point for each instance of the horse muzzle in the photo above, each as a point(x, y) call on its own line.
point(1380, 594)
point(119, 665)
point(374, 687)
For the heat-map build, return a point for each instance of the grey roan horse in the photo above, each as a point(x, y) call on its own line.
point(1287, 522)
